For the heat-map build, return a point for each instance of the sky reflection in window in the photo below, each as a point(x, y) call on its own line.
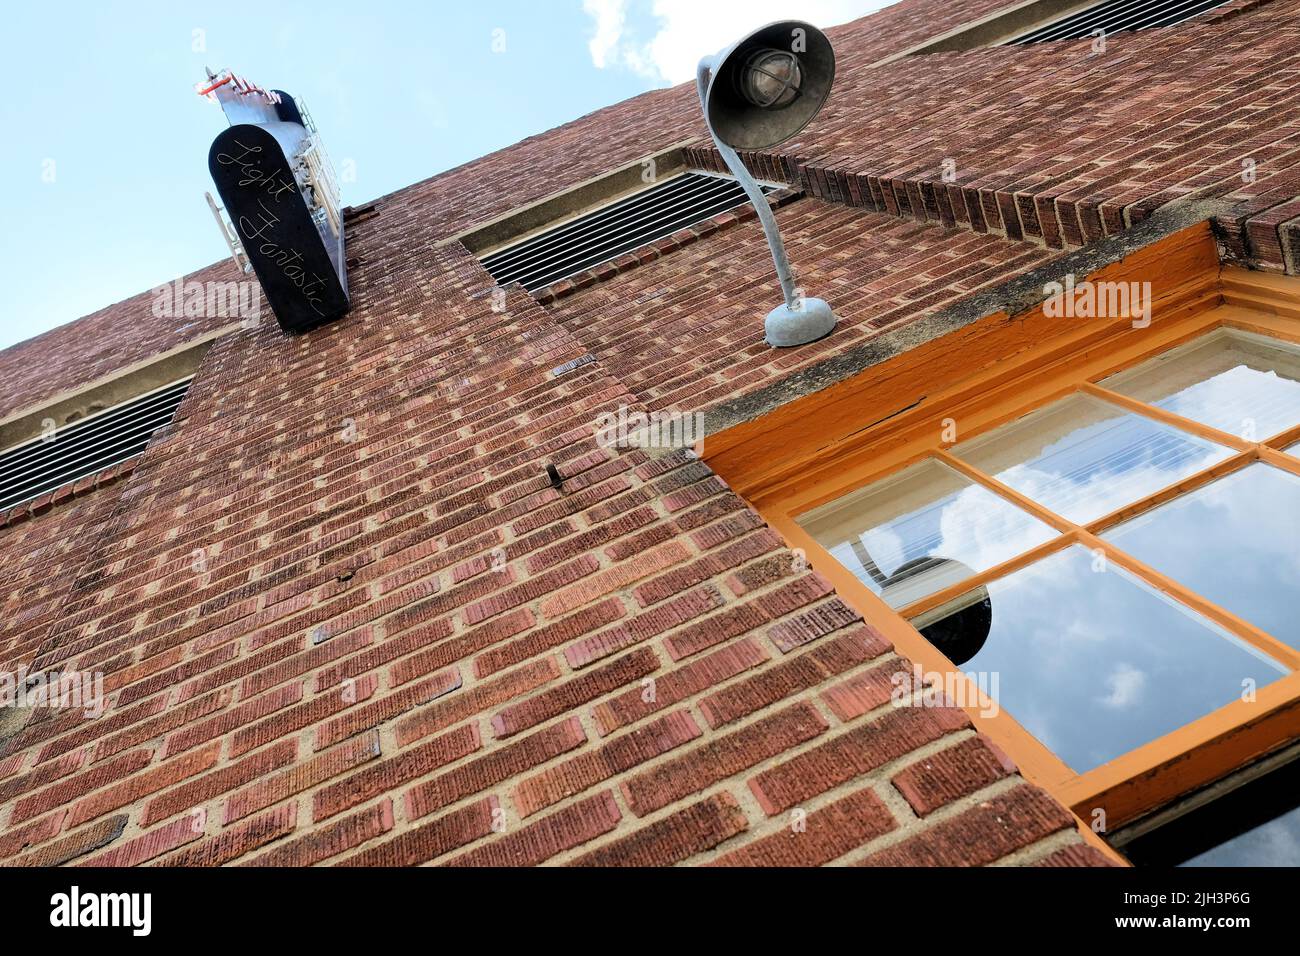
point(885, 532)
point(1095, 662)
point(1084, 458)
point(1275, 843)
point(1236, 541)
point(1243, 384)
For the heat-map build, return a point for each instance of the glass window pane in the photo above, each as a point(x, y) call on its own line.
point(1235, 541)
point(1244, 384)
point(921, 530)
point(1084, 458)
point(1091, 660)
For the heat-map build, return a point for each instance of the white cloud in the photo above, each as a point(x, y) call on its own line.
point(610, 18)
point(686, 30)
point(1125, 685)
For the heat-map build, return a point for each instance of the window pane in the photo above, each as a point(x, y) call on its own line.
point(1240, 383)
point(922, 530)
point(1084, 458)
point(1095, 662)
point(1236, 541)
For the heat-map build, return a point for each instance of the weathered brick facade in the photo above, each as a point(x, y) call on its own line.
point(344, 616)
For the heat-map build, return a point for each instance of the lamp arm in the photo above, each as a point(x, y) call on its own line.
point(784, 272)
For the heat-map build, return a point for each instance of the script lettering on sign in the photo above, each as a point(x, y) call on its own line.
point(279, 235)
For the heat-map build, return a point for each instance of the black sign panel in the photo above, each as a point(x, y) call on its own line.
point(276, 229)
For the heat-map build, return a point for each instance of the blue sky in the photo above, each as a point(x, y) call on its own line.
point(104, 168)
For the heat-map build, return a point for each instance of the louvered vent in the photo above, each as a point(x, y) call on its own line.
point(1116, 16)
point(85, 447)
point(612, 230)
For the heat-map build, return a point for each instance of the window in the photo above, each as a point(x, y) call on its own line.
point(1098, 624)
point(1097, 527)
point(1114, 16)
point(1095, 661)
point(607, 232)
point(86, 446)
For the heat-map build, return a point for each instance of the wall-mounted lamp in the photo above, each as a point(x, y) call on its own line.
point(757, 93)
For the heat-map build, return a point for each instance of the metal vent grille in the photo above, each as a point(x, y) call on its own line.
point(1115, 16)
point(612, 230)
point(87, 446)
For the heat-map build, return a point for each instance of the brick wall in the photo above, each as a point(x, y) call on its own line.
point(345, 617)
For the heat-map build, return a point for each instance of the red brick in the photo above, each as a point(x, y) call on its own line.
point(371, 715)
point(789, 677)
point(612, 579)
point(292, 719)
point(807, 627)
point(721, 757)
point(234, 842)
point(448, 652)
point(530, 590)
point(169, 721)
point(951, 774)
point(537, 842)
point(140, 785)
point(983, 834)
point(644, 626)
point(852, 754)
point(678, 685)
point(677, 837)
point(330, 841)
point(386, 651)
point(232, 719)
point(547, 638)
point(16, 839)
point(107, 724)
point(324, 766)
point(1080, 854)
point(63, 793)
point(12, 764)
point(501, 764)
point(393, 771)
point(309, 660)
point(713, 631)
point(618, 755)
point(217, 782)
point(569, 695)
point(824, 835)
point(475, 700)
point(41, 775)
point(714, 563)
point(150, 845)
point(439, 836)
point(863, 693)
point(147, 685)
point(87, 840)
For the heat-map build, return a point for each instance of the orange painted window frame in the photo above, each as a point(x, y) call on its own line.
point(814, 450)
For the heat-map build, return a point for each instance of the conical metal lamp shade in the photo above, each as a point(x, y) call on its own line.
point(743, 124)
